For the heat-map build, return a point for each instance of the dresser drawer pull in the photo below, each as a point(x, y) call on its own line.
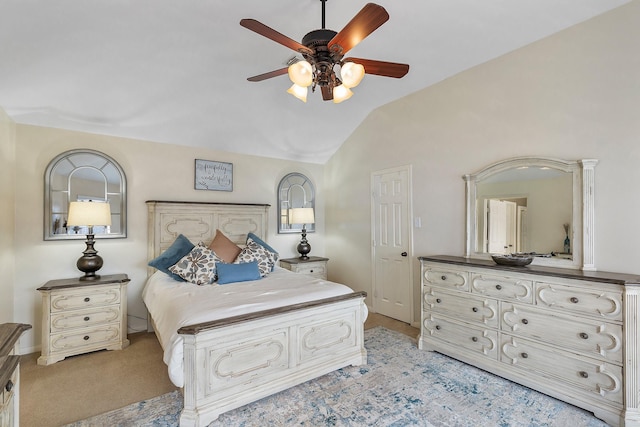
point(524, 355)
point(574, 300)
point(584, 335)
point(498, 287)
point(9, 386)
point(474, 309)
point(87, 299)
point(438, 300)
point(444, 277)
point(87, 318)
point(310, 271)
point(583, 374)
point(86, 337)
point(525, 321)
point(474, 339)
point(438, 327)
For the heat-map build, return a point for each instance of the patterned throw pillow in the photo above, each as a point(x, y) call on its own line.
point(273, 254)
point(255, 252)
point(198, 266)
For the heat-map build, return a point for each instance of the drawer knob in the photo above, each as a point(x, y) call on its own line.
point(498, 287)
point(87, 299)
point(525, 321)
point(444, 277)
point(474, 309)
point(438, 327)
point(310, 271)
point(524, 355)
point(86, 319)
point(574, 300)
point(86, 337)
point(584, 335)
point(583, 374)
point(474, 339)
point(438, 300)
point(9, 386)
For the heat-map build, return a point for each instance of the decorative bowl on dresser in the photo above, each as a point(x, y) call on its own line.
point(513, 321)
point(83, 316)
point(10, 373)
point(315, 266)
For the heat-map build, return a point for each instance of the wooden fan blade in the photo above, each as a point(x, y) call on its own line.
point(381, 68)
point(265, 76)
point(270, 33)
point(327, 93)
point(364, 23)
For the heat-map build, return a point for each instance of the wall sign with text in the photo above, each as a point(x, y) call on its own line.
point(212, 175)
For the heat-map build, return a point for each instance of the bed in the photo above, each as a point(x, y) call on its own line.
point(286, 329)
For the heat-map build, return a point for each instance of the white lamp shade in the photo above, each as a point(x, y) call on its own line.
point(89, 214)
point(299, 92)
point(341, 93)
point(301, 216)
point(351, 74)
point(301, 73)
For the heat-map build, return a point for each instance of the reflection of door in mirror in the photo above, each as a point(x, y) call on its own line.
point(505, 230)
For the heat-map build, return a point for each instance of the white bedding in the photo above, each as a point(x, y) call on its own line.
point(173, 304)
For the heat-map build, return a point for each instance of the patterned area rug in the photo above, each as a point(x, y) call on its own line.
point(400, 386)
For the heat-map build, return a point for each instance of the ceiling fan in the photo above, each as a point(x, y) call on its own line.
point(324, 49)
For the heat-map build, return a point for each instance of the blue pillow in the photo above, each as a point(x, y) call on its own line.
point(243, 272)
point(174, 253)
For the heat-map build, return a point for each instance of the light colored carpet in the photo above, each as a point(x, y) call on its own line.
point(400, 386)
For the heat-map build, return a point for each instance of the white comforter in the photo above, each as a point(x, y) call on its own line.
point(174, 304)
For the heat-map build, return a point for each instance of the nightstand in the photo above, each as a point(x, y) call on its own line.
point(10, 373)
point(83, 316)
point(315, 266)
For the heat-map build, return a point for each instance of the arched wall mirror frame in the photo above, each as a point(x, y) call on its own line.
point(295, 190)
point(530, 178)
point(80, 175)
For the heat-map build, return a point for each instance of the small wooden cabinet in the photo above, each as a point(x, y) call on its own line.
point(314, 266)
point(83, 316)
point(10, 373)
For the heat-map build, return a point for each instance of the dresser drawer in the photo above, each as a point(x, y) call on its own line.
point(477, 340)
point(448, 278)
point(600, 379)
point(8, 389)
point(84, 298)
point(591, 337)
point(61, 321)
point(81, 339)
point(571, 299)
point(461, 306)
point(503, 287)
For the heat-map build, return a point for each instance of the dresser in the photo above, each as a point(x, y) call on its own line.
point(10, 373)
point(314, 266)
point(571, 334)
point(83, 316)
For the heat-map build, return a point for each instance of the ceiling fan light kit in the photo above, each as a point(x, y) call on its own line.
point(323, 51)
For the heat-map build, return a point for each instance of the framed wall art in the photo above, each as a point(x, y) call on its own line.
point(211, 175)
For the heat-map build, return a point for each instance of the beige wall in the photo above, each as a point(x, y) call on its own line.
point(7, 191)
point(154, 172)
point(573, 95)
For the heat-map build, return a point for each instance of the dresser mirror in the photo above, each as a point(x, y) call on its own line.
point(83, 175)
point(295, 190)
point(535, 205)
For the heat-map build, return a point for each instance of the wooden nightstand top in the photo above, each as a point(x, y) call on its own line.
point(77, 283)
point(302, 261)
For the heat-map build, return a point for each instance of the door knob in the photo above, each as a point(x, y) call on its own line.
point(403, 254)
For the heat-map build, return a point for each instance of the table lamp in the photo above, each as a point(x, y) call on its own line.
point(302, 216)
point(89, 214)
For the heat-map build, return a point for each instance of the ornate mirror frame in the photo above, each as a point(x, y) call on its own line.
point(295, 190)
point(58, 193)
point(582, 230)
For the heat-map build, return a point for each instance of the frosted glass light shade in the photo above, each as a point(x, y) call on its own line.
point(89, 214)
point(301, 216)
point(301, 73)
point(341, 93)
point(351, 74)
point(299, 92)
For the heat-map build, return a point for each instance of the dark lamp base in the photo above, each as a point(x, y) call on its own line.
point(90, 261)
point(304, 247)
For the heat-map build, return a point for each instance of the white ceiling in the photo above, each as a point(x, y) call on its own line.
point(175, 71)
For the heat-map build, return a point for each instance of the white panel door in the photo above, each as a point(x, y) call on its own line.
point(391, 220)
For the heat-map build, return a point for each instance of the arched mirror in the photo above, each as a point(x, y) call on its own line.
point(294, 191)
point(81, 175)
point(534, 205)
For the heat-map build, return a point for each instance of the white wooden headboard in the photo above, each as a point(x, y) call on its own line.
point(198, 222)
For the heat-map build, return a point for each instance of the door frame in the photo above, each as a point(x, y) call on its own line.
point(409, 222)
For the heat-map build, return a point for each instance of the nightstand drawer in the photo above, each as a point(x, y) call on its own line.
point(84, 318)
point(85, 339)
point(314, 266)
point(85, 298)
point(316, 269)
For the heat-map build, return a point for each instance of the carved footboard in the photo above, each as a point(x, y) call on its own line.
point(235, 361)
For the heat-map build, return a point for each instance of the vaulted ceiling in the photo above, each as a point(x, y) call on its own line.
point(174, 71)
